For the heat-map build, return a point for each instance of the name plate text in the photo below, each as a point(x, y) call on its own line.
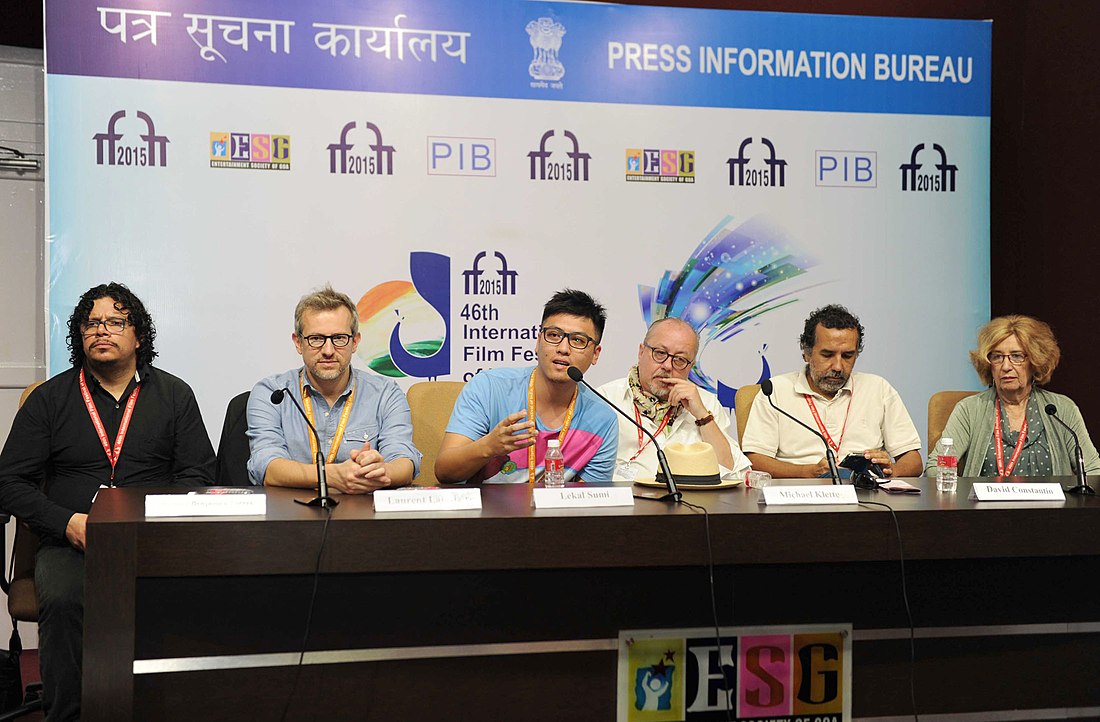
point(985, 491)
point(813, 495)
point(580, 497)
point(426, 499)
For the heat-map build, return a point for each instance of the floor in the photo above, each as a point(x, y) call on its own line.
point(28, 664)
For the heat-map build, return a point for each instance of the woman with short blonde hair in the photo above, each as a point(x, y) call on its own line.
point(1006, 430)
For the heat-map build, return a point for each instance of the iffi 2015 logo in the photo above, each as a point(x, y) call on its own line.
point(943, 180)
point(502, 283)
point(406, 326)
point(545, 163)
point(347, 158)
point(111, 150)
point(749, 169)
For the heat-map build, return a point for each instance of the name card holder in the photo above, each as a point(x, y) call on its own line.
point(995, 491)
point(578, 497)
point(423, 498)
point(216, 501)
point(815, 495)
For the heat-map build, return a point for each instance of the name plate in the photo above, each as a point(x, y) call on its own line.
point(813, 495)
point(580, 497)
point(424, 498)
point(985, 491)
point(209, 502)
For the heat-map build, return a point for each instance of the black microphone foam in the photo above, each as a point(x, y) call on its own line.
point(277, 396)
point(1051, 411)
point(766, 387)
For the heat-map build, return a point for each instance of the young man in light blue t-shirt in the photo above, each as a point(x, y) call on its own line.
point(504, 417)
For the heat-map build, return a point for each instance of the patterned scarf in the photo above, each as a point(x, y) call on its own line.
point(649, 405)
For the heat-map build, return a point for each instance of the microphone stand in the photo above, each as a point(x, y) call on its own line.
point(834, 473)
point(1082, 483)
point(673, 494)
point(322, 499)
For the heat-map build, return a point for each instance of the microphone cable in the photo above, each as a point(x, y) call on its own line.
point(729, 685)
point(908, 610)
point(309, 615)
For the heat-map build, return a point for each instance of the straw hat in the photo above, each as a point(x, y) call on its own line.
point(694, 463)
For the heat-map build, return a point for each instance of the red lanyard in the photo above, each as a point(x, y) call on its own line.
point(112, 452)
point(1001, 470)
point(821, 426)
point(638, 418)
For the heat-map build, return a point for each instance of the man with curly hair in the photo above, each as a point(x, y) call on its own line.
point(113, 419)
point(856, 413)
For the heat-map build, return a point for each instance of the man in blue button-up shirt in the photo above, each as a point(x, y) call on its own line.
point(363, 420)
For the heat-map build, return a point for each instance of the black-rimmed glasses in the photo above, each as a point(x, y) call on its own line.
point(113, 325)
point(339, 340)
point(553, 336)
point(660, 355)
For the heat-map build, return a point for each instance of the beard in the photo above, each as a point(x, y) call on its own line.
point(320, 373)
point(830, 382)
point(656, 389)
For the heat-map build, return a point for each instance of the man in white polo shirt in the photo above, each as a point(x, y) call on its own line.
point(857, 413)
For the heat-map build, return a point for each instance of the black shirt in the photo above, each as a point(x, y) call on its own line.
point(53, 462)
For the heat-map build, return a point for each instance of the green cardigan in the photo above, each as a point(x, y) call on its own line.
point(970, 427)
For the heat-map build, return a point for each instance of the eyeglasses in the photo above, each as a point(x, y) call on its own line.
point(339, 340)
point(113, 325)
point(553, 336)
point(1015, 358)
point(660, 355)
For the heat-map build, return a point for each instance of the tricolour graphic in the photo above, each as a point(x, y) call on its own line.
point(406, 326)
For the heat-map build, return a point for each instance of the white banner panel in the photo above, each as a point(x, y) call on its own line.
point(450, 166)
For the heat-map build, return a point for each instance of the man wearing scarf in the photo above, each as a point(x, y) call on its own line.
point(658, 395)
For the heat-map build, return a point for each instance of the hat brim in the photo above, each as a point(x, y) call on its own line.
point(724, 484)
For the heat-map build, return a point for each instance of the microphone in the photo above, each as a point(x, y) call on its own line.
point(323, 499)
point(1082, 485)
point(673, 493)
point(766, 388)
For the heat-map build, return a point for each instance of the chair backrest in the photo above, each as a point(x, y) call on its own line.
point(22, 598)
point(940, 407)
point(233, 453)
point(27, 392)
point(431, 403)
point(742, 404)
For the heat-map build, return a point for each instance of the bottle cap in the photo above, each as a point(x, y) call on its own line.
point(553, 443)
point(946, 440)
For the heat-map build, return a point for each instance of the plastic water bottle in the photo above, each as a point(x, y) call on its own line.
point(757, 479)
point(947, 466)
point(553, 465)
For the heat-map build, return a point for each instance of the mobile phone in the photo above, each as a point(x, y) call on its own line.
point(859, 464)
